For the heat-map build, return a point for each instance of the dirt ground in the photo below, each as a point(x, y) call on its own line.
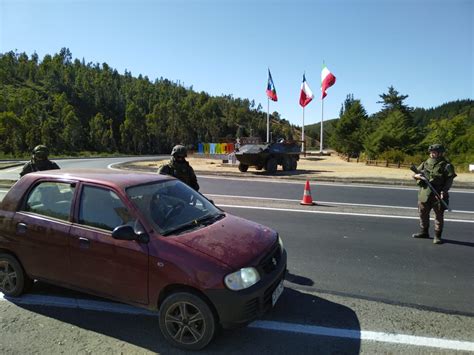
point(324, 168)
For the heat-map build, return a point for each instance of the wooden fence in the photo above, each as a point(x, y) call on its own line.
point(381, 163)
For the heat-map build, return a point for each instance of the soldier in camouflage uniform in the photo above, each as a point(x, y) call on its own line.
point(440, 173)
point(39, 161)
point(180, 168)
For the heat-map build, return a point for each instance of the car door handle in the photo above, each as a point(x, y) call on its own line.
point(84, 242)
point(21, 228)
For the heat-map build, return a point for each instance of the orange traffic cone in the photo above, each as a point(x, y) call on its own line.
point(307, 199)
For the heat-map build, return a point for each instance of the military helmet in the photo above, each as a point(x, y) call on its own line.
point(41, 148)
point(179, 151)
point(436, 148)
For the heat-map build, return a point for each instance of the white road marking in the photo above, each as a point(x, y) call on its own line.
point(327, 183)
point(325, 202)
point(339, 213)
point(13, 169)
point(103, 306)
point(366, 335)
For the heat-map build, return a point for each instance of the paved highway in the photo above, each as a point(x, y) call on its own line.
point(352, 266)
point(322, 192)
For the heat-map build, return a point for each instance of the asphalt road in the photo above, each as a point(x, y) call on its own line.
point(352, 265)
point(323, 192)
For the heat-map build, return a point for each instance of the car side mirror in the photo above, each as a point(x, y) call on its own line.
point(124, 233)
point(143, 237)
point(128, 233)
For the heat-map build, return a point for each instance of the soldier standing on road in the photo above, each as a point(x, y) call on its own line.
point(39, 161)
point(440, 173)
point(180, 168)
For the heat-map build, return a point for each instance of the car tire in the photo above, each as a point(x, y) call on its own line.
point(13, 280)
point(243, 167)
point(187, 321)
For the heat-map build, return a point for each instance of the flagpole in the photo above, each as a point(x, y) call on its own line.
point(302, 135)
point(321, 135)
point(268, 120)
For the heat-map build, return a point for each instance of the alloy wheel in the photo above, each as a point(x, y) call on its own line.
point(8, 277)
point(185, 323)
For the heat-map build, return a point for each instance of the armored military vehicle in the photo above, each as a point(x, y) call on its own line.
point(268, 156)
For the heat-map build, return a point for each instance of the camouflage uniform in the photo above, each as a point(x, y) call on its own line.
point(39, 161)
point(180, 168)
point(440, 173)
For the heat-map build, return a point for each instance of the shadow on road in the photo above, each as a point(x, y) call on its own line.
point(457, 242)
point(299, 280)
point(294, 307)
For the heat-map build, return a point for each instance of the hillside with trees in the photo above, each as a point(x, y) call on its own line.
point(398, 133)
point(76, 107)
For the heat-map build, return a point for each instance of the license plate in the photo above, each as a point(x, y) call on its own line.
point(277, 293)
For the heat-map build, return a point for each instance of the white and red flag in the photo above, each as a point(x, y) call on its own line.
point(306, 94)
point(327, 80)
point(271, 91)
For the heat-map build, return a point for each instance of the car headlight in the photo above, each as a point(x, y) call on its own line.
point(242, 279)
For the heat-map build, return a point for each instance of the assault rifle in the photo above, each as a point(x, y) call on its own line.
point(431, 187)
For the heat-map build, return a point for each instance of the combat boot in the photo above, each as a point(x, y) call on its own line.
point(422, 234)
point(437, 238)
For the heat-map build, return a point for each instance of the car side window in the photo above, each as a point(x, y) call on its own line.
point(102, 208)
point(52, 199)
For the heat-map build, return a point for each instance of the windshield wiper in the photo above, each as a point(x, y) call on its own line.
point(184, 227)
point(195, 223)
point(210, 219)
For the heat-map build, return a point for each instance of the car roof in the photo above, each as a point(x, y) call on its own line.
point(110, 177)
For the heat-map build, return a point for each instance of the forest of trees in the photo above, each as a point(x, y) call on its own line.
point(398, 133)
point(74, 108)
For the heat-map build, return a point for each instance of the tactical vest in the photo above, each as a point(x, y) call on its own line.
point(181, 171)
point(438, 172)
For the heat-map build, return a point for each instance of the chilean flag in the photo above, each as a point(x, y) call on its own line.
point(327, 80)
point(306, 94)
point(271, 91)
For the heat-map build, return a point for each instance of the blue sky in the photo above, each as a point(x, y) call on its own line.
point(423, 48)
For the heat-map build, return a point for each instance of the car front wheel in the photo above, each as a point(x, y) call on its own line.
point(13, 280)
point(187, 321)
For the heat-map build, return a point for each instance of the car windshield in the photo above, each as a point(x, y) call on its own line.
point(172, 207)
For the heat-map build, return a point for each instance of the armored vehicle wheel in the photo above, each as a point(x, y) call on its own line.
point(186, 321)
point(272, 165)
point(287, 163)
point(259, 167)
point(243, 168)
point(294, 164)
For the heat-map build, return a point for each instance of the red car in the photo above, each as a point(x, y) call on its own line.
point(144, 239)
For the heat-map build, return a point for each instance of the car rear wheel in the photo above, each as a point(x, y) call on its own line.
point(13, 280)
point(187, 321)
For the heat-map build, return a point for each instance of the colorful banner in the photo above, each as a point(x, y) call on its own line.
point(216, 148)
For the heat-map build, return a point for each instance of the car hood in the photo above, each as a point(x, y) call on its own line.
point(232, 240)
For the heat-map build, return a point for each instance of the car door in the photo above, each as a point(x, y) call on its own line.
point(42, 227)
point(100, 263)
